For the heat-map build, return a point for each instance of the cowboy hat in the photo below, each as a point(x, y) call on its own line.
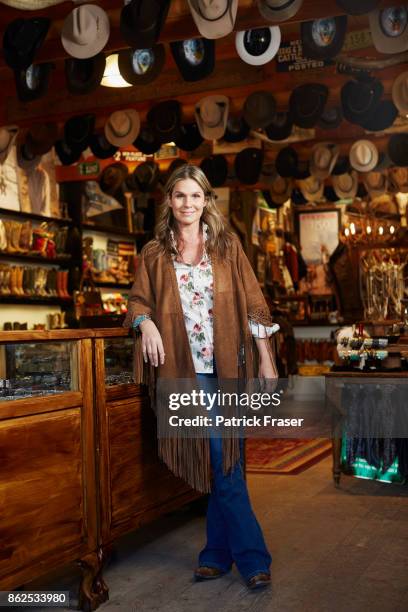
point(398, 179)
point(346, 185)
point(195, 57)
point(331, 118)
point(312, 188)
point(211, 114)
point(147, 141)
point(259, 109)
point(165, 120)
point(287, 162)
point(66, 154)
point(214, 19)
point(323, 38)
point(400, 93)
point(31, 5)
point(85, 31)
point(306, 104)
point(41, 138)
point(141, 22)
point(281, 189)
point(122, 127)
point(83, 76)
point(360, 99)
point(248, 165)
point(78, 131)
point(279, 10)
point(258, 46)
point(141, 66)
point(389, 29)
point(398, 149)
point(27, 160)
point(22, 39)
point(376, 183)
point(32, 82)
point(7, 138)
point(215, 168)
point(363, 156)
point(383, 118)
point(112, 177)
point(323, 160)
point(280, 127)
point(100, 147)
point(237, 129)
point(189, 137)
point(147, 176)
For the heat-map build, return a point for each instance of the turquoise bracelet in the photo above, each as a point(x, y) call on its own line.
point(139, 320)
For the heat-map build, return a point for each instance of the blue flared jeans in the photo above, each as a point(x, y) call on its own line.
point(233, 532)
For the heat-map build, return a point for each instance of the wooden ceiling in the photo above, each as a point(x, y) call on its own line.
point(232, 76)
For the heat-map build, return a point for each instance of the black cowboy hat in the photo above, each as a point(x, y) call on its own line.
point(287, 162)
point(302, 170)
point(21, 40)
point(342, 166)
point(141, 66)
point(165, 120)
point(281, 126)
point(84, 75)
point(237, 129)
point(323, 38)
point(66, 154)
point(147, 141)
point(331, 118)
point(32, 82)
point(100, 147)
point(147, 175)
point(307, 103)
point(78, 131)
point(360, 99)
point(215, 169)
point(195, 57)
point(141, 22)
point(112, 177)
point(383, 118)
point(41, 138)
point(398, 149)
point(248, 165)
point(189, 137)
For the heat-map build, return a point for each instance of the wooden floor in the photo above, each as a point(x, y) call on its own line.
point(334, 550)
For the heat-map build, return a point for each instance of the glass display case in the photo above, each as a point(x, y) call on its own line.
point(118, 356)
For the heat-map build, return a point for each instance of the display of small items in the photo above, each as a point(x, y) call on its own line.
point(33, 281)
point(55, 320)
point(42, 240)
point(115, 302)
point(116, 264)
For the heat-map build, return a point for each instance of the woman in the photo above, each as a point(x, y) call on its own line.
point(197, 305)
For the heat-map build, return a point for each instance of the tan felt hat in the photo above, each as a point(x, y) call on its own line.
point(281, 189)
point(346, 185)
point(122, 127)
point(376, 183)
point(85, 31)
point(312, 188)
point(211, 115)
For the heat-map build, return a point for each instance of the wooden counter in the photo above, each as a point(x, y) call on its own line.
point(79, 467)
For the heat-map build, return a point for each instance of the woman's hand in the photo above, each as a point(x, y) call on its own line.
point(152, 344)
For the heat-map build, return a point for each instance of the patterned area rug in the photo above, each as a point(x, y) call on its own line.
point(284, 456)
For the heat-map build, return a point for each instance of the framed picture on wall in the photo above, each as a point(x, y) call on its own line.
point(318, 231)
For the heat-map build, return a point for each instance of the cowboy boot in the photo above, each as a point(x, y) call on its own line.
point(8, 226)
point(3, 238)
point(15, 236)
point(37, 281)
point(60, 291)
point(65, 284)
point(13, 280)
point(19, 280)
point(26, 236)
point(51, 279)
point(7, 280)
point(26, 281)
point(2, 280)
point(62, 319)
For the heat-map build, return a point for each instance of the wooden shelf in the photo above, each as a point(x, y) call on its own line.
point(108, 229)
point(35, 258)
point(114, 285)
point(26, 215)
point(34, 300)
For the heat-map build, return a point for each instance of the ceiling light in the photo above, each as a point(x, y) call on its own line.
point(111, 76)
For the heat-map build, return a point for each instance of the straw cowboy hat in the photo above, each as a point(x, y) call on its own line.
point(312, 188)
point(363, 156)
point(323, 160)
point(122, 127)
point(85, 31)
point(400, 93)
point(346, 185)
point(211, 114)
point(7, 139)
point(376, 183)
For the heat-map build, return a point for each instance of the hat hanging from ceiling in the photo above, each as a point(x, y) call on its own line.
point(389, 29)
point(398, 149)
point(363, 156)
point(346, 185)
point(248, 165)
point(32, 82)
point(215, 168)
point(147, 175)
point(41, 138)
point(360, 99)
point(7, 138)
point(400, 93)
point(102, 148)
point(195, 57)
point(237, 129)
point(141, 66)
point(311, 188)
point(331, 118)
point(189, 137)
point(323, 159)
point(279, 10)
point(78, 131)
point(21, 40)
point(259, 46)
point(83, 76)
point(307, 103)
point(281, 127)
point(398, 179)
point(122, 127)
point(376, 183)
point(281, 189)
point(147, 141)
point(383, 118)
point(287, 162)
point(214, 19)
point(211, 115)
point(357, 7)
point(141, 22)
point(259, 109)
point(112, 177)
point(323, 38)
point(66, 154)
point(85, 31)
point(165, 120)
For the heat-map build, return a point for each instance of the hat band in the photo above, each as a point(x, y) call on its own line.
point(199, 11)
point(282, 7)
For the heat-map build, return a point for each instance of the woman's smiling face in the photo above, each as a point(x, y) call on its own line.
point(187, 201)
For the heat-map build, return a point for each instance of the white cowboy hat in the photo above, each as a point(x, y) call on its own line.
point(7, 139)
point(363, 156)
point(312, 188)
point(85, 31)
point(376, 183)
point(323, 160)
point(400, 93)
point(214, 19)
point(122, 127)
point(211, 114)
point(346, 185)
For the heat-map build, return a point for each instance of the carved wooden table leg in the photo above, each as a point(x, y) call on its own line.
point(336, 442)
point(93, 590)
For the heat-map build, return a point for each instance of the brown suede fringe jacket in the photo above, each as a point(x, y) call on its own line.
point(237, 297)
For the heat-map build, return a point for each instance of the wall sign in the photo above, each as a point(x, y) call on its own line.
point(88, 168)
point(290, 58)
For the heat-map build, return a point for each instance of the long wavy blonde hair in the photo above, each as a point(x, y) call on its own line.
point(219, 237)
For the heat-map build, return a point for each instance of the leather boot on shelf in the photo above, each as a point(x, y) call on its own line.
point(54, 282)
point(65, 283)
point(44, 292)
point(62, 319)
point(31, 281)
point(15, 236)
point(13, 280)
point(59, 284)
point(7, 326)
point(26, 281)
point(2, 279)
point(26, 236)
point(3, 239)
point(19, 280)
point(8, 225)
point(7, 280)
point(16, 325)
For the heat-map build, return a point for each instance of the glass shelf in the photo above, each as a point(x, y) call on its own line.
point(118, 355)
